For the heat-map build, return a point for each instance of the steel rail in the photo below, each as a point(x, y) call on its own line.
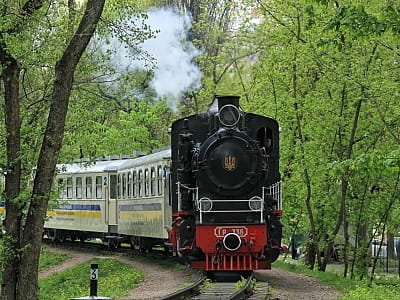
point(186, 292)
point(245, 291)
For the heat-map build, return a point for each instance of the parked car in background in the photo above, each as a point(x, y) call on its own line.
point(376, 244)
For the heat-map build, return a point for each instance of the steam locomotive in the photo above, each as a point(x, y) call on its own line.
point(226, 194)
point(213, 199)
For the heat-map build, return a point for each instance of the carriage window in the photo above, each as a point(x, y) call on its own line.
point(78, 187)
point(61, 188)
point(153, 181)
point(146, 182)
point(88, 187)
point(264, 137)
point(129, 184)
point(69, 187)
point(113, 186)
point(134, 185)
point(119, 186)
point(140, 186)
point(124, 185)
point(160, 180)
point(99, 193)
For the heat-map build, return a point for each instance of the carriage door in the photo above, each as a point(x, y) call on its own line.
point(112, 201)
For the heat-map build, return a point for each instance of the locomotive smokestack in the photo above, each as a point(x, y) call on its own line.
point(224, 111)
point(224, 100)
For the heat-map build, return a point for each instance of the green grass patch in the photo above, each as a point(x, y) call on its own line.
point(115, 280)
point(50, 258)
point(384, 288)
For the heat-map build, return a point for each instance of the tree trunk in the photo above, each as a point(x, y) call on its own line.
point(312, 245)
point(342, 216)
point(10, 75)
point(52, 141)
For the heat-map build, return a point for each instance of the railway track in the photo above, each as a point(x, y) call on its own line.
point(221, 290)
point(203, 289)
point(104, 249)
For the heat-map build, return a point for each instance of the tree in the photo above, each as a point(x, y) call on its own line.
point(20, 274)
point(328, 80)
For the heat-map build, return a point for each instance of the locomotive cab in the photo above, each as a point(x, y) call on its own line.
point(226, 188)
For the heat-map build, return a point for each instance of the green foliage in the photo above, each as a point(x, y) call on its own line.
point(321, 63)
point(115, 280)
point(8, 250)
point(100, 128)
point(364, 19)
point(381, 289)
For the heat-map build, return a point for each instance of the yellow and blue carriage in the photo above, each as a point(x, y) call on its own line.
point(116, 200)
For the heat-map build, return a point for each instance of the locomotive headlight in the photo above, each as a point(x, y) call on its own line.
point(255, 203)
point(232, 241)
point(205, 204)
point(229, 115)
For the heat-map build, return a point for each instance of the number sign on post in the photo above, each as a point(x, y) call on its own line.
point(94, 276)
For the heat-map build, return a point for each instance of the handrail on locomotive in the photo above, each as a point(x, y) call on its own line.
point(204, 204)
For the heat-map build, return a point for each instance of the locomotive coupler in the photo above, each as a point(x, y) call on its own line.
point(260, 257)
point(218, 247)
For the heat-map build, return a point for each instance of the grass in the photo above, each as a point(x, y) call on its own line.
point(383, 288)
point(115, 280)
point(50, 258)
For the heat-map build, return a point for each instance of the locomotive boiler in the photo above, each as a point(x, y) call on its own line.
point(225, 189)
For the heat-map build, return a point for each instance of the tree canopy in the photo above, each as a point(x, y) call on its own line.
point(327, 70)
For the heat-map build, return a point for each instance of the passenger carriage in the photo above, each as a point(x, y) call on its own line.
point(117, 200)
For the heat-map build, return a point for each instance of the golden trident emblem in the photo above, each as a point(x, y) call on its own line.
point(230, 163)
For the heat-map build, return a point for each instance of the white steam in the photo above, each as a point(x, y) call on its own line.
point(174, 70)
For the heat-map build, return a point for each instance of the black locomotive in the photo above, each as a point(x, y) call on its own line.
point(226, 196)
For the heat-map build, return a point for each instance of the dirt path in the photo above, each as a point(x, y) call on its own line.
point(158, 281)
point(75, 259)
point(285, 285)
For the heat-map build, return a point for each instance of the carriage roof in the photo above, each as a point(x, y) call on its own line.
point(100, 166)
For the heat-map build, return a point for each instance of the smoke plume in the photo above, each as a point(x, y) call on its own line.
point(171, 53)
